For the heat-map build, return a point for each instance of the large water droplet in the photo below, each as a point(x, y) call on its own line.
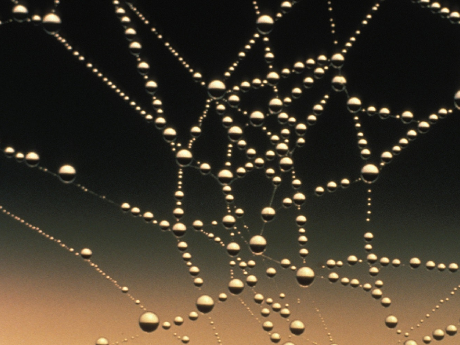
point(205, 304)
point(305, 276)
point(149, 321)
point(67, 173)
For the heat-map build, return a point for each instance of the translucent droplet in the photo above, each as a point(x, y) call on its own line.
point(236, 286)
point(354, 104)
point(225, 176)
point(67, 173)
point(258, 244)
point(86, 253)
point(20, 13)
point(51, 23)
point(297, 327)
point(149, 321)
point(102, 341)
point(233, 248)
point(268, 213)
point(205, 304)
point(32, 159)
point(415, 262)
point(369, 173)
point(438, 334)
point(265, 24)
point(305, 276)
point(184, 157)
point(216, 89)
point(391, 321)
point(451, 330)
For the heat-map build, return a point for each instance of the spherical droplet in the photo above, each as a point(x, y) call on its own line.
point(184, 157)
point(86, 253)
point(32, 159)
point(258, 244)
point(354, 104)
point(305, 276)
point(149, 322)
point(235, 286)
point(415, 262)
point(51, 23)
point(265, 24)
point(369, 173)
point(297, 327)
point(205, 304)
point(216, 89)
point(67, 173)
point(391, 321)
point(102, 341)
point(268, 213)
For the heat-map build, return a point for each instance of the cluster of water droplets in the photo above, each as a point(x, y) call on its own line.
point(285, 136)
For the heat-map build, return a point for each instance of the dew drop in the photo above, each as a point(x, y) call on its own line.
point(67, 173)
point(149, 322)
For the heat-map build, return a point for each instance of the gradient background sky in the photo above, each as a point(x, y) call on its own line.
point(405, 59)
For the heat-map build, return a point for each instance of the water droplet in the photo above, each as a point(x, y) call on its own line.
point(86, 253)
point(51, 23)
point(391, 321)
point(369, 173)
point(258, 244)
point(265, 24)
point(32, 159)
point(205, 304)
point(67, 173)
point(305, 276)
point(149, 321)
point(102, 341)
point(216, 89)
point(236, 286)
point(297, 327)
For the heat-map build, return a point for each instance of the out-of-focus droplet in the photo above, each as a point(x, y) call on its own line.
point(415, 262)
point(457, 99)
point(67, 173)
point(86, 253)
point(102, 341)
point(233, 248)
point(20, 13)
point(149, 321)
